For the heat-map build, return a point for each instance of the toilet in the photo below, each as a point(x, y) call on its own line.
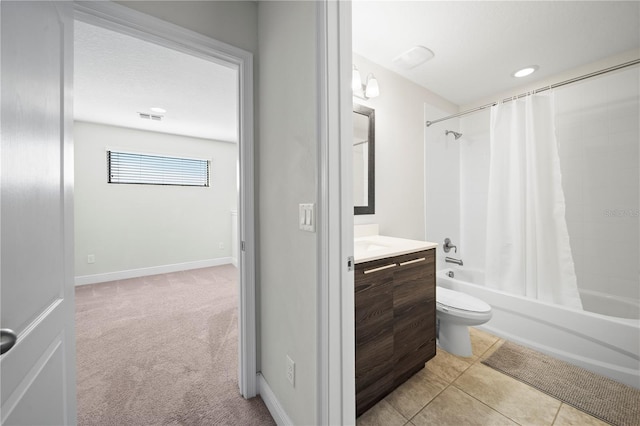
point(455, 312)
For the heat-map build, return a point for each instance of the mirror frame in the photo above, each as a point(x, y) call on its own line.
point(370, 113)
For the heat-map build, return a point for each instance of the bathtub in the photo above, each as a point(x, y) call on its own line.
point(604, 344)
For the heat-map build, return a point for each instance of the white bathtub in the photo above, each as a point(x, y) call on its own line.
point(601, 343)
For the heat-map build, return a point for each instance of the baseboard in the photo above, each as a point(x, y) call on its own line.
point(273, 405)
point(154, 270)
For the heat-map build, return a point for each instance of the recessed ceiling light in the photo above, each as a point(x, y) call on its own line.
point(158, 109)
point(413, 57)
point(525, 71)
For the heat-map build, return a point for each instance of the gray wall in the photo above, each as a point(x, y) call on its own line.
point(141, 226)
point(233, 22)
point(287, 176)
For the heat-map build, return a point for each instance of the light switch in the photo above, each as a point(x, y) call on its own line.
point(307, 217)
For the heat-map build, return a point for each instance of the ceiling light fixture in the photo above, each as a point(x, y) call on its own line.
point(364, 91)
point(158, 110)
point(525, 71)
point(413, 57)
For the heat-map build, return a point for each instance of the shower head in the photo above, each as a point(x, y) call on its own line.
point(455, 134)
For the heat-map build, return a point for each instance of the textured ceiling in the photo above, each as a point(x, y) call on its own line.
point(117, 76)
point(479, 44)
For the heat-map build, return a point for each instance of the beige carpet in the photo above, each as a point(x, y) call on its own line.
point(599, 396)
point(162, 350)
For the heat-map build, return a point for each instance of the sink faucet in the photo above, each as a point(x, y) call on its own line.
point(452, 260)
point(448, 246)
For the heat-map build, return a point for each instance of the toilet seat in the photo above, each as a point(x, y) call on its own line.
point(460, 301)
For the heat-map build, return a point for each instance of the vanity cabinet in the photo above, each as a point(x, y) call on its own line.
point(395, 323)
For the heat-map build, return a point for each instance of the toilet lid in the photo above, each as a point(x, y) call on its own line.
point(457, 300)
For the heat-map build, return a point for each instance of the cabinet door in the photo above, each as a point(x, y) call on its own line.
point(374, 332)
point(414, 313)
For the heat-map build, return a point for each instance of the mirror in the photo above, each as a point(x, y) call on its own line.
point(363, 160)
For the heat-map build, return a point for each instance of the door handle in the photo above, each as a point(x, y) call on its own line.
point(7, 339)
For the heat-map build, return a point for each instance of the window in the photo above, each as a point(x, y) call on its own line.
point(128, 167)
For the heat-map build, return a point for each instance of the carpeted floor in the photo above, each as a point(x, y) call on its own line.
point(592, 393)
point(162, 350)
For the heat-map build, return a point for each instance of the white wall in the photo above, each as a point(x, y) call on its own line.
point(474, 187)
point(598, 128)
point(130, 227)
point(400, 152)
point(287, 157)
point(598, 131)
point(442, 185)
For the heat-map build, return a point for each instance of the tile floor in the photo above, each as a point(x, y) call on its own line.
point(453, 390)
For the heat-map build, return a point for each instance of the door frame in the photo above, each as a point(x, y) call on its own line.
point(127, 21)
point(336, 315)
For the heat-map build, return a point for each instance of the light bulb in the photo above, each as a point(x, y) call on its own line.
point(372, 87)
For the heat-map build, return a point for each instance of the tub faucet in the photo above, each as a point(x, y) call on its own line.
point(452, 260)
point(448, 246)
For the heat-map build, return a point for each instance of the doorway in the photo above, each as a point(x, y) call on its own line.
point(126, 21)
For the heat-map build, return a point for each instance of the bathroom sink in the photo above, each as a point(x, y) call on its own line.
point(373, 247)
point(368, 246)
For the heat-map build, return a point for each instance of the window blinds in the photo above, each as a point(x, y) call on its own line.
point(134, 168)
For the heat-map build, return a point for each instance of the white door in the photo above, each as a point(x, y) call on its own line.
point(36, 221)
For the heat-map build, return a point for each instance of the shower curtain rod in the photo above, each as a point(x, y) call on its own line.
point(551, 86)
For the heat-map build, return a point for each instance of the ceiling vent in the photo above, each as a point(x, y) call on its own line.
point(146, 116)
point(413, 57)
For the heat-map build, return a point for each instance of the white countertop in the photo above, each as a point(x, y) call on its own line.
point(374, 247)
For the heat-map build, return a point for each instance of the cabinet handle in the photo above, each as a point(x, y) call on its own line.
point(409, 262)
point(382, 268)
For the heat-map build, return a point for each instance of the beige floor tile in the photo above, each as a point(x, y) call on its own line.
point(415, 393)
point(480, 342)
point(454, 407)
point(491, 350)
point(512, 398)
point(381, 414)
point(572, 416)
point(447, 366)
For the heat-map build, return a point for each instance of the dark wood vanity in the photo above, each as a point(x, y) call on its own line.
point(395, 321)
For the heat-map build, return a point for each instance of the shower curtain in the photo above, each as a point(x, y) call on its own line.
point(527, 251)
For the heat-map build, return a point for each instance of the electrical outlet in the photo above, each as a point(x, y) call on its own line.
point(221, 246)
point(291, 371)
point(91, 258)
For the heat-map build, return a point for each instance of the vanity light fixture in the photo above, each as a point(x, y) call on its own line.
point(364, 91)
point(356, 80)
point(372, 89)
point(525, 71)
